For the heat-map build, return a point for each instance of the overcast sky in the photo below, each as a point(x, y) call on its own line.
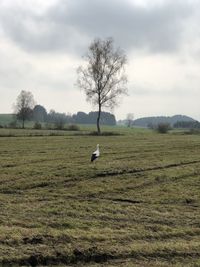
point(42, 42)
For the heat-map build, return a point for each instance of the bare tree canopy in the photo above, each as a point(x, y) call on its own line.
point(24, 106)
point(129, 119)
point(103, 79)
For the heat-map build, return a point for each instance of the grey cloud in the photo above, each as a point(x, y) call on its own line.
point(177, 92)
point(158, 28)
point(70, 25)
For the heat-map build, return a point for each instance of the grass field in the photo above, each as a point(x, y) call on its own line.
point(137, 206)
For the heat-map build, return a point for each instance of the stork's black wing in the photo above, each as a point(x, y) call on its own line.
point(93, 157)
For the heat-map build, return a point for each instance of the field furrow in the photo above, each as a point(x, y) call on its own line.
point(138, 205)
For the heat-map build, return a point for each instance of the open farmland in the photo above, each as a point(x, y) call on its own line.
point(137, 206)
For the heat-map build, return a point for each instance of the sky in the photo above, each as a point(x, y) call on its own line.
point(43, 42)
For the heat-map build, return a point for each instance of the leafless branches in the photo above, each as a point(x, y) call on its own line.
point(103, 78)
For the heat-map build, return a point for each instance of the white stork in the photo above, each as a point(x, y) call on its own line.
point(95, 154)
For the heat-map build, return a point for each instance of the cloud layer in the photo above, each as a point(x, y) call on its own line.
point(41, 44)
point(68, 26)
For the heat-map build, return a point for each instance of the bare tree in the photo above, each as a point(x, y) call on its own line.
point(24, 106)
point(103, 78)
point(129, 119)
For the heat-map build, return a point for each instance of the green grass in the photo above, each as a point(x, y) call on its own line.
point(137, 206)
point(83, 130)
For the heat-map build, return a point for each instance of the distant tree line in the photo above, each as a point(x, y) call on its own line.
point(26, 110)
point(187, 124)
point(151, 122)
point(179, 124)
point(164, 127)
point(40, 115)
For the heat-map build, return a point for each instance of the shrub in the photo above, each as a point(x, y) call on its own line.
point(94, 133)
point(49, 126)
point(193, 131)
point(59, 125)
point(73, 127)
point(37, 126)
point(163, 127)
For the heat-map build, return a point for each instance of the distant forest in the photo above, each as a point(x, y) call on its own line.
point(40, 114)
point(152, 121)
point(177, 121)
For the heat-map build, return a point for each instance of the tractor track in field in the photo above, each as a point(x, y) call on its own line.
point(133, 171)
point(12, 165)
point(78, 257)
point(158, 180)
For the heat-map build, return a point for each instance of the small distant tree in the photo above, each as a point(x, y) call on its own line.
point(129, 119)
point(24, 106)
point(103, 78)
point(163, 127)
point(37, 126)
point(81, 117)
point(39, 113)
point(58, 119)
point(60, 123)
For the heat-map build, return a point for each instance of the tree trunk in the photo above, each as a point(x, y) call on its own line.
point(98, 120)
point(22, 123)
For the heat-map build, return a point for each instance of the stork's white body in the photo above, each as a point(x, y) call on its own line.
point(95, 154)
